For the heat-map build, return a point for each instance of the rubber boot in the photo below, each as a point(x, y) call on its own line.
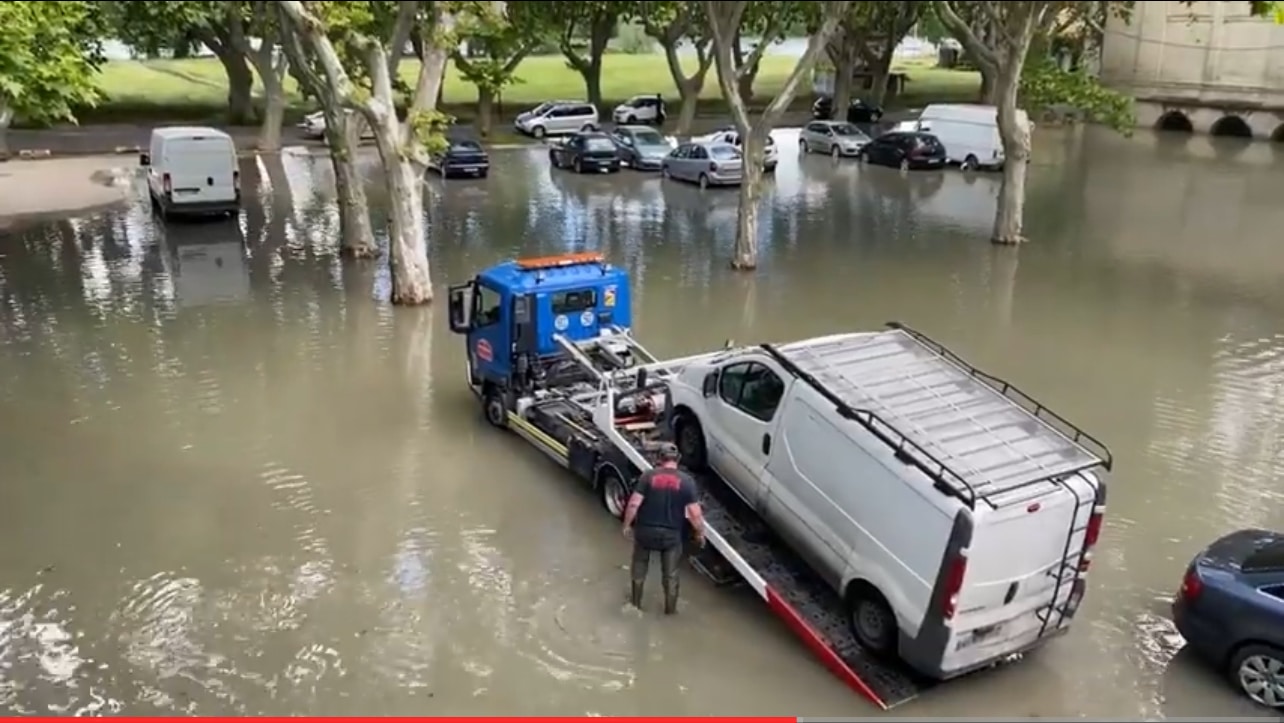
point(635, 595)
point(671, 598)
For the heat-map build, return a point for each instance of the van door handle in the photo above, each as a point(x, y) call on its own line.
point(766, 444)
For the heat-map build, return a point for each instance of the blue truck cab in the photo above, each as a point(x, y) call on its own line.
point(511, 311)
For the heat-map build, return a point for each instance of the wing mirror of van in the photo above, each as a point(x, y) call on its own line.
point(710, 384)
point(144, 159)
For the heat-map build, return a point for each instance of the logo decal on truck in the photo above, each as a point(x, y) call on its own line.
point(586, 319)
point(561, 322)
point(484, 352)
point(608, 296)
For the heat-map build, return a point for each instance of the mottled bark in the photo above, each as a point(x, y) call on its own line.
point(270, 65)
point(590, 67)
point(6, 117)
point(1010, 214)
point(689, 87)
point(240, 80)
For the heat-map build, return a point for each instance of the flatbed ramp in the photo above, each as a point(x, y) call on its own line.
point(794, 593)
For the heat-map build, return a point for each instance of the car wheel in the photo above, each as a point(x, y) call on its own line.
point(969, 164)
point(664, 173)
point(588, 128)
point(704, 181)
point(802, 147)
point(579, 166)
point(632, 119)
point(690, 441)
point(905, 164)
point(872, 621)
point(493, 408)
point(863, 157)
point(539, 131)
point(1258, 670)
point(835, 152)
point(552, 159)
point(614, 494)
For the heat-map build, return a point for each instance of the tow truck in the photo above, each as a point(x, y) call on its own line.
point(551, 357)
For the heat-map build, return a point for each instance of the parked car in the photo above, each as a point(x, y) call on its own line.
point(647, 108)
point(857, 112)
point(313, 126)
point(833, 137)
point(463, 157)
point(192, 171)
point(970, 133)
point(640, 147)
point(557, 117)
point(707, 163)
point(731, 136)
point(905, 151)
point(1230, 610)
point(591, 151)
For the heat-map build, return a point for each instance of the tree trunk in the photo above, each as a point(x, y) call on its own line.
point(485, 110)
point(844, 55)
point(882, 72)
point(988, 94)
point(6, 117)
point(744, 256)
point(273, 112)
point(357, 235)
point(592, 74)
point(688, 88)
point(408, 249)
point(687, 110)
point(240, 83)
point(744, 84)
point(1010, 214)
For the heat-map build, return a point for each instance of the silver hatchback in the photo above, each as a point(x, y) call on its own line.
point(705, 163)
point(836, 138)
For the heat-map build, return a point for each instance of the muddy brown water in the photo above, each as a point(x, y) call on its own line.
point(233, 482)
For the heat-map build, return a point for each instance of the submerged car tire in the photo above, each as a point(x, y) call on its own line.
point(539, 131)
point(704, 181)
point(970, 163)
point(579, 166)
point(802, 147)
point(835, 152)
point(689, 436)
point(588, 128)
point(905, 164)
point(612, 490)
point(871, 619)
point(493, 408)
point(1258, 671)
point(631, 119)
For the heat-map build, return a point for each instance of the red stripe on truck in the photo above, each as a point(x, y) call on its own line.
point(820, 647)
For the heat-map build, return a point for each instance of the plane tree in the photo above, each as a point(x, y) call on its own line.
point(591, 23)
point(496, 47)
point(671, 24)
point(868, 36)
point(49, 53)
point(724, 19)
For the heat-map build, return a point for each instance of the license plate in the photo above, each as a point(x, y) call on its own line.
point(187, 190)
point(978, 636)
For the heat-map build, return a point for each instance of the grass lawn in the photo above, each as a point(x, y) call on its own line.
point(197, 89)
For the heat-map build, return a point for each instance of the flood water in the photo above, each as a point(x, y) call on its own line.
point(231, 481)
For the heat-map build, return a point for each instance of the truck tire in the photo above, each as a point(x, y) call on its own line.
point(612, 490)
point(872, 621)
point(690, 440)
point(493, 407)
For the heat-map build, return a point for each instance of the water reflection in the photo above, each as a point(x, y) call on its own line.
point(233, 483)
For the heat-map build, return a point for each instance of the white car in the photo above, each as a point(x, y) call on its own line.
point(313, 126)
point(732, 136)
point(647, 108)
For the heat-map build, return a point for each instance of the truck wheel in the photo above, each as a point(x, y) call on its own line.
point(494, 409)
point(690, 440)
point(872, 621)
point(1258, 671)
point(613, 491)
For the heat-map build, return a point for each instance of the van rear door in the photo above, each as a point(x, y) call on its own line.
point(1020, 570)
point(202, 169)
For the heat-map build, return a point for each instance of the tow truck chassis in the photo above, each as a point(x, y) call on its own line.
point(601, 430)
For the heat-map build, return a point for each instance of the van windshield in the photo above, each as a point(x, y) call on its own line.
point(541, 108)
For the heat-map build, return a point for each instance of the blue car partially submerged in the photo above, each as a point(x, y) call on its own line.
point(1230, 609)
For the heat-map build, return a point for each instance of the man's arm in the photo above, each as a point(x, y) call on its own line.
point(694, 512)
point(635, 501)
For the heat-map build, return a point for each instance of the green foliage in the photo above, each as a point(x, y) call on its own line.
point(496, 45)
point(48, 56)
point(155, 28)
point(633, 39)
point(1046, 85)
point(428, 129)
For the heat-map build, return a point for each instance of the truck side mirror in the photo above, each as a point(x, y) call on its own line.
point(461, 308)
point(711, 384)
point(144, 159)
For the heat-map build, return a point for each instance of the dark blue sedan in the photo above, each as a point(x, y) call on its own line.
point(1230, 609)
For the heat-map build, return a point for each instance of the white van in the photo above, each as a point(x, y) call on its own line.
point(970, 133)
point(192, 170)
point(953, 514)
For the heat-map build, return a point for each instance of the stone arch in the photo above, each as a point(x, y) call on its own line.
point(1175, 120)
point(1278, 135)
point(1231, 126)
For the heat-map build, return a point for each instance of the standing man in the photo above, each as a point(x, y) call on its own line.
point(663, 503)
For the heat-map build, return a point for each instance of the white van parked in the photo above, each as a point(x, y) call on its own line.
point(953, 514)
point(970, 133)
point(192, 170)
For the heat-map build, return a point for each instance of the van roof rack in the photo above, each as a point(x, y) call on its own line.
point(974, 435)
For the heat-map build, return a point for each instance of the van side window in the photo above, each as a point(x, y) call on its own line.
point(730, 383)
point(760, 396)
point(573, 302)
point(487, 306)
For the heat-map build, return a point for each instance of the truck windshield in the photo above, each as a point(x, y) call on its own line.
point(573, 302)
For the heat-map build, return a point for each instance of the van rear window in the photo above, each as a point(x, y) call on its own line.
point(572, 302)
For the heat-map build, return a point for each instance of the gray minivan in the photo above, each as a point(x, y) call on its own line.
point(557, 117)
point(707, 164)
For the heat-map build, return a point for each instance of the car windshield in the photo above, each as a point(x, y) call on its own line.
point(724, 153)
point(648, 138)
point(465, 146)
point(541, 108)
point(848, 130)
point(639, 102)
point(598, 143)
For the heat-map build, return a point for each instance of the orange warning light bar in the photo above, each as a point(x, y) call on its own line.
point(549, 262)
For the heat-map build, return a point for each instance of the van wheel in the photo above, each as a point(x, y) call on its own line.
point(631, 119)
point(614, 494)
point(969, 164)
point(690, 442)
point(494, 409)
point(872, 621)
point(588, 128)
point(1258, 670)
point(538, 131)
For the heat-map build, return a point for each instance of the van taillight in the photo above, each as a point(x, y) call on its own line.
point(1090, 536)
point(236, 181)
point(1191, 585)
point(953, 585)
point(166, 184)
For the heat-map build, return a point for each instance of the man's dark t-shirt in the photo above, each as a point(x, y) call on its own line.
point(661, 519)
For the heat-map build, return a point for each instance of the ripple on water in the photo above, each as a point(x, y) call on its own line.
point(40, 661)
point(292, 492)
point(586, 634)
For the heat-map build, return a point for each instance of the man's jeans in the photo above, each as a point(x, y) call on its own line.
point(670, 562)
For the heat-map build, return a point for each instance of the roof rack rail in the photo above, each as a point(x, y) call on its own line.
point(1006, 389)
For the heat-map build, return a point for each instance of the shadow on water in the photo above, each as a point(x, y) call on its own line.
point(235, 483)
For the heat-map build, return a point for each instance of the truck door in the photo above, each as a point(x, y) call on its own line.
point(488, 340)
point(739, 425)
